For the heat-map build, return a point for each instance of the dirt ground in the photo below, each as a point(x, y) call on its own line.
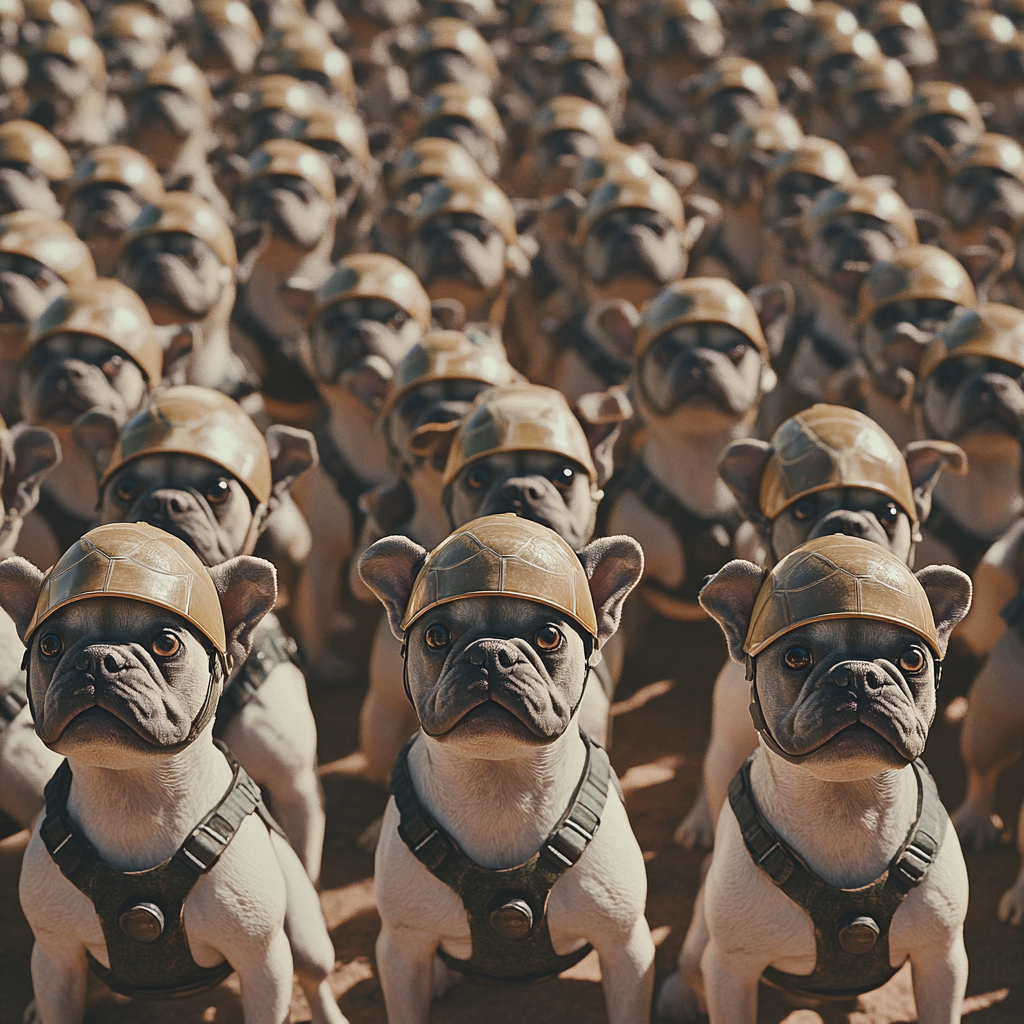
point(662, 718)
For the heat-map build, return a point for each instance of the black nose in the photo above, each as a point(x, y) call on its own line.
point(863, 677)
point(849, 523)
point(525, 490)
point(167, 503)
point(494, 654)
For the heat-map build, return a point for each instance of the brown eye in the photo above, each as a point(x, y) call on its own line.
point(165, 645)
point(477, 479)
point(890, 513)
point(805, 508)
point(126, 489)
point(912, 660)
point(797, 658)
point(217, 491)
point(548, 638)
point(51, 645)
point(437, 636)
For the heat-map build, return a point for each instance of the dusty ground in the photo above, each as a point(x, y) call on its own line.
point(661, 727)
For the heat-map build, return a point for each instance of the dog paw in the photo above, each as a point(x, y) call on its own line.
point(978, 830)
point(677, 1003)
point(370, 836)
point(444, 977)
point(695, 831)
point(31, 1014)
point(1011, 905)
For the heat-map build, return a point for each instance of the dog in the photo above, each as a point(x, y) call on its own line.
point(125, 689)
point(31, 162)
point(833, 863)
point(496, 681)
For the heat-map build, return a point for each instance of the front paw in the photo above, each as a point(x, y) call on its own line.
point(677, 1003)
point(1011, 906)
point(978, 830)
point(695, 831)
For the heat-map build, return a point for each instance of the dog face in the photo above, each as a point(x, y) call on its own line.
point(791, 195)
point(922, 143)
point(895, 337)
point(483, 150)
point(27, 287)
point(441, 67)
point(25, 187)
point(979, 198)
point(55, 87)
point(100, 214)
point(161, 121)
point(842, 250)
point(296, 212)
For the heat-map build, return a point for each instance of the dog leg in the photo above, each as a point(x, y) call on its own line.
point(627, 972)
point(681, 999)
point(695, 831)
point(60, 974)
point(405, 963)
point(940, 980)
point(266, 982)
point(1011, 905)
point(730, 985)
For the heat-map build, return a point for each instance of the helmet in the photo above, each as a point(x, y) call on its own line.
point(873, 196)
point(988, 27)
point(601, 50)
point(834, 42)
point(699, 300)
point(322, 58)
point(884, 74)
point(839, 577)
point(432, 158)
point(50, 241)
point(738, 73)
point(468, 195)
point(992, 329)
point(571, 113)
point(627, 192)
point(326, 124)
point(131, 21)
point(197, 421)
point(992, 151)
point(766, 131)
point(504, 556)
point(68, 14)
point(825, 17)
point(229, 14)
point(914, 272)
point(80, 50)
point(448, 355)
point(175, 71)
point(286, 156)
point(460, 36)
point(138, 562)
point(516, 418)
point(830, 446)
point(281, 92)
point(13, 9)
point(118, 165)
point(29, 143)
point(821, 157)
point(107, 309)
point(190, 214)
point(371, 275)
point(943, 98)
point(616, 160)
point(895, 13)
point(453, 100)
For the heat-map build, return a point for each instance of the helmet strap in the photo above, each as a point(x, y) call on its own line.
point(256, 525)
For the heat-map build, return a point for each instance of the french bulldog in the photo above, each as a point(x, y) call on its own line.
point(117, 695)
point(32, 161)
point(496, 688)
point(844, 707)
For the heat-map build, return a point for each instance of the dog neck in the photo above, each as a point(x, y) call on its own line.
point(428, 524)
point(353, 429)
point(72, 482)
point(847, 832)
point(138, 817)
point(499, 812)
point(988, 498)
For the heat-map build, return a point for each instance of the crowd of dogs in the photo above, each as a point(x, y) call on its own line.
point(492, 315)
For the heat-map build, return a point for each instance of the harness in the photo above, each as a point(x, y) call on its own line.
point(271, 647)
point(609, 367)
point(141, 912)
point(507, 907)
point(66, 526)
point(968, 547)
point(851, 926)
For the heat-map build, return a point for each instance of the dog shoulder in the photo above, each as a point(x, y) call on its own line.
point(663, 556)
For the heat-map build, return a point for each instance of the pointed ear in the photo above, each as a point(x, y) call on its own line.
point(601, 414)
point(703, 217)
point(613, 566)
point(247, 587)
point(985, 264)
point(96, 433)
point(931, 228)
point(949, 593)
point(389, 569)
point(559, 218)
point(615, 323)
point(36, 451)
point(250, 241)
point(20, 581)
point(447, 315)
point(729, 596)
point(775, 303)
point(292, 452)
point(925, 461)
point(741, 467)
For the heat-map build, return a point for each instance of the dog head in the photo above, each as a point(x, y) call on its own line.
point(449, 51)
point(66, 71)
point(505, 669)
point(588, 66)
point(27, 454)
point(469, 119)
point(903, 34)
point(31, 161)
point(796, 177)
point(842, 641)
point(339, 136)
point(731, 90)
point(985, 189)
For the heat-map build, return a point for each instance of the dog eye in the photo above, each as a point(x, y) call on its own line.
point(889, 514)
point(548, 638)
point(165, 645)
point(218, 490)
point(912, 660)
point(805, 508)
point(797, 658)
point(126, 489)
point(437, 636)
point(51, 645)
point(478, 478)
point(564, 477)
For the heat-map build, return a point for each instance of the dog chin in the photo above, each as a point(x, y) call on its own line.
point(854, 752)
point(490, 723)
point(93, 734)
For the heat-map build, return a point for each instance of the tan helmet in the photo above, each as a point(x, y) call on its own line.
point(190, 420)
point(372, 275)
point(991, 151)
point(831, 446)
point(698, 300)
point(131, 21)
point(118, 165)
point(992, 330)
point(432, 157)
point(286, 156)
point(629, 192)
point(13, 10)
point(835, 43)
point(985, 26)
point(468, 195)
point(138, 562)
point(880, 74)
point(914, 272)
point(764, 131)
point(504, 556)
point(822, 158)
point(325, 59)
point(175, 71)
point(601, 50)
point(448, 355)
point(68, 14)
point(873, 196)
point(80, 50)
point(571, 113)
point(105, 308)
point(26, 142)
point(616, 160)
point(190, 214)
point(50, 241)
point(345, 127)
point(229, 14)
point(517, 418)
point(453, 100)
point(738, 73)
point(894, 13)
point(460, 36)
point(281, 92)
point(839, 577)
point(826, 17)
point(943, 98)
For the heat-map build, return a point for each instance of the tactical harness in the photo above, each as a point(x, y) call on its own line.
point(968, 547)
point(141, 912)
point(608, 367)
point(507, 907)
point(851, 926)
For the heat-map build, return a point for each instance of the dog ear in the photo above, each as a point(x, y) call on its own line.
point(292, 452)
point(741, 467)
point(775, 304)
point(729, 596)
point(247, 588)
point(96, 433)
point(389, 569)
point(36, 451)
point(949, 593)
point(613, 566)
point(20, 581)
point(601, 414)
point(297, 294)
point(925, 461)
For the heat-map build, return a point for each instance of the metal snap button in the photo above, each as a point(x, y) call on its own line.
point(143, 922)
point(858, 935)
point(513, 919)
